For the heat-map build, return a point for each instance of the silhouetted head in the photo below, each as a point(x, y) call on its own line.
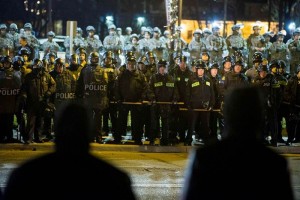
point(73, 129)
point(243, 113)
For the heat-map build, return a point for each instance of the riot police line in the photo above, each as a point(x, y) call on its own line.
point(157, 74)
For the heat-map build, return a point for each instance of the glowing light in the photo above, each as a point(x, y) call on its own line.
point(292, 26)
point(141, 20)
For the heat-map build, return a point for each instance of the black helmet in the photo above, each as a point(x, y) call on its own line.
point(214, 65)
point(182, 58)
point(194, 62)
point(131, 58)
point(81, 50)
point(108, 54)
point(129, 54)
point(239, 62)
point(201, 64)
point(162, 63)
point(94, 58)
point(50, 54)
point(150, 54)
point(74, 57)
point(227, 59)
point(238, 54)
point(37, 63)
point(24, 51)
point(6, 59)
point(274, 64)
point(257, 57)
point(13, 27)
point(282, 64)
point(58, 61)
point(262, 67)
point(18, 61)
point(205, 53)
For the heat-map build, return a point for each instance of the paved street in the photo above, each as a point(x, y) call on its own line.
point(156, 172)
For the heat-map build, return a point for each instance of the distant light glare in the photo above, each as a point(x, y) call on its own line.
point(292, 26)
point(141, 19)
point(109, 18)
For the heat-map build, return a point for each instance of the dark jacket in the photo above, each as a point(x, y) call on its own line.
point(131, 86)
point(200, 92)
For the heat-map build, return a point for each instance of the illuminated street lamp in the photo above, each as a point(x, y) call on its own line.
point(141, 20)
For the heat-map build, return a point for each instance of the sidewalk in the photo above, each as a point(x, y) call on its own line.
point(49, 146)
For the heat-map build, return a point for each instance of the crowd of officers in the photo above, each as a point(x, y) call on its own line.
point(170, 96)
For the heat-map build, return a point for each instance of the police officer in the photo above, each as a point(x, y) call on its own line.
point(252, 72)
point(36, 91)
point(65, 84)
point(162, 88)
point(81, 52)
point(151, 62)
point(292, 96)
point(92, 89)
point(235, 78)
point(199, 95)
point(74, 67)
point(146, 117)
point(24, 44)
point(6, 42)
point(10, 83)
point(264, 81)
point(110, 113)
point(131, 86)
point(13, 33)
point(146, 44)
point(133, 45)
point(128, 32)
point(112, 42)
point(50, 59)
point(92, 43)
point(31, 40)
point(196, 46)
point(276, 100)
point(255, 41)
point(266, 53)
point(26, 67)
point(50, 45)
point(235, 41)
point(216, 45)
point(159, 45)
point(181, 74)
point(215, 117)
point(279, 50)
point(294, 48)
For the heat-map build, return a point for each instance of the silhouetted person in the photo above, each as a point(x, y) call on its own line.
point(70, 172)
point(239, 166)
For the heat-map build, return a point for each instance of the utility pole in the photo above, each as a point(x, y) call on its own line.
point(50, 22)
point(225, 17)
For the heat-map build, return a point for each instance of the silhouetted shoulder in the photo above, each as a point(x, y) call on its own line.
point(69, 178)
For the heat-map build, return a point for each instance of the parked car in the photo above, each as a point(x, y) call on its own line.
point(59, 39)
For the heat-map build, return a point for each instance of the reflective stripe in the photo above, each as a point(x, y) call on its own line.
point(196, 84)
point(158, 84)
point(207, 83)
point(170, 84)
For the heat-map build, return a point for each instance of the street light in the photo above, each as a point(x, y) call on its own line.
point(141, 20)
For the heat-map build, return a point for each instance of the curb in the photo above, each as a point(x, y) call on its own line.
point(49, 146)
